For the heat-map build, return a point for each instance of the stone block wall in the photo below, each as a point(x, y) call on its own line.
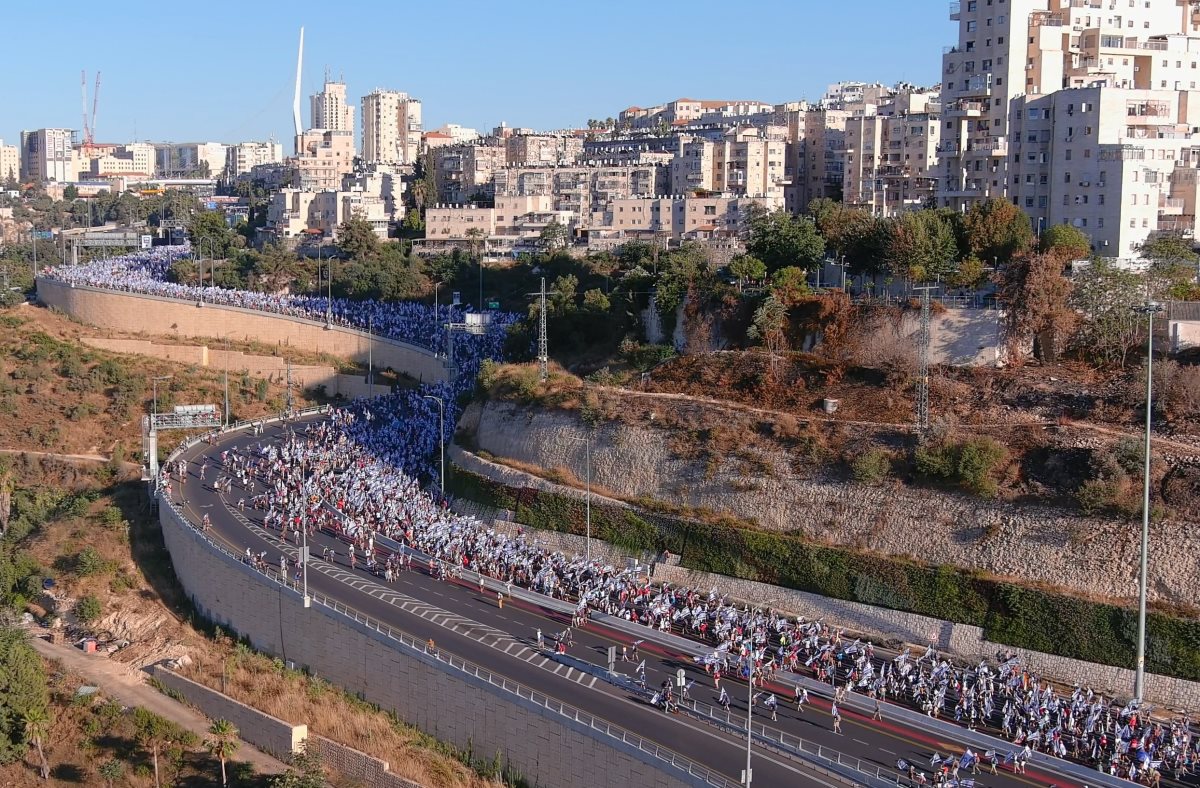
point(269, 734)
point(357, 767)
point(462, 709)
point(167, 316)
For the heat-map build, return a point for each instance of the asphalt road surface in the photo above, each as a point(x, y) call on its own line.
point(471, 625)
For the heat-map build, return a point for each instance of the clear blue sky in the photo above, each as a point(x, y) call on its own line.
point(223, 70)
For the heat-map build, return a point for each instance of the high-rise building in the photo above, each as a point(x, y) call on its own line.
point(330, 110)
point(391, 128)
point(48, 155)
point(1078, 111)
point(10, 163)
point(190, 159)
point(745, 161)
point(891, 155)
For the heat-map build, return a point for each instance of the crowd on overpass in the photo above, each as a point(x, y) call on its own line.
point(413, 322)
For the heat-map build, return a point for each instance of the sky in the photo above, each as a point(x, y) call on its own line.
point(224, 71)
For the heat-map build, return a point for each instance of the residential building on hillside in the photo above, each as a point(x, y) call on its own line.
point(49, 155)
point(817, 156)
point(325, 157)
point(542, 149)
point(891, 155)
point(456, 134)
point(463, 173)
point(583, 188)
point(686, 111)
point(1078, 111)
point(391, 128)
point(10, 163)
point(330, 110)
point(745, 161)
point(296, 213)
point(129, 161)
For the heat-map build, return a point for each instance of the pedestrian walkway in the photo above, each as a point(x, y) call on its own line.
point(129, 687)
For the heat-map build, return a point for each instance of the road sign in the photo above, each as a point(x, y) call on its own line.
point(146, 241)
point(456, 298)
point(680, 677)
point(43, 235)
point(493, 303)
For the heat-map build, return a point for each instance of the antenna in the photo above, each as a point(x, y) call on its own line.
point(296, 99)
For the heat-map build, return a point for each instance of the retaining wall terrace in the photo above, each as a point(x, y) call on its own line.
point(548, 748)
point(174, 317)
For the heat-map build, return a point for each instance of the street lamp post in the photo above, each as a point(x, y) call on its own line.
point(749, 717)
point(1150, 309)
point(304, 563)
point(226, 413)
point(329, 283)
point(587, 446)
point(436, 285)
point(441, 440)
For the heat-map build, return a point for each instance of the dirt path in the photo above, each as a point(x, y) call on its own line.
point(129, 687)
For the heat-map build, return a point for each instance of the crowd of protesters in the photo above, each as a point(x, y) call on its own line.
point(357, 475)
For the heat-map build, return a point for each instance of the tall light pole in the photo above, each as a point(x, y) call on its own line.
point(587, 446)
point(371, 350)
point(749, 717)
point(212, 256)
point(1150, 309)
point(226, 381)
point(329, 285)
point(436, 324)
point(441, 440)
point(304, 562)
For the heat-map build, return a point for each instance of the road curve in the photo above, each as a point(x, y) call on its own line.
point(469, 624)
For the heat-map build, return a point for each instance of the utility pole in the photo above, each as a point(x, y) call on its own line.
point(441, 440)
point(1150, 309)
point(922, 418)
point(543, 350)
point(749, 718)
point(371, 351)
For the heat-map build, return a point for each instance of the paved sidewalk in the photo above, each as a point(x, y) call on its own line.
point(129, 687)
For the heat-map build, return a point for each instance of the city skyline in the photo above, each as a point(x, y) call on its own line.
point(478, 76)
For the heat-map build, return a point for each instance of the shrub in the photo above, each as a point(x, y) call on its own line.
point(88, 609)
point(872, 466)
point(969, 464)
point(1129, 455)
point(89, 562)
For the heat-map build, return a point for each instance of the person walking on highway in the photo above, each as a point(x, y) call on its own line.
point(801, 699)
point(837, 718)
point(772, 704)
point(541, 642)
point(500, 599)
point(723, 699)
point(877, 715)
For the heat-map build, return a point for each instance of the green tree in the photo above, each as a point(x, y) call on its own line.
point(222, 743)
point(37, 726)
point(747, 268)
point(88, 609)
point(211, 228)
point(921, 246)
point(1174, 267)
point(110, 771)
point(357, 239)
point(596, 302)
point(304, 771)
point(413, 225)
point(476, 238)
point(553, 236)
point(71, 193)
point(789, 285)
point(1066, 241)
point(157, 734)
point(780, 240)
point(850, 233)
point(770, 325)
point(1106, 297)
point(24, 694)
point(995, 230)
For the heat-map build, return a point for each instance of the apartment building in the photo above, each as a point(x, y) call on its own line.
point(688, 111)
point(675, 217)
point(10, 163)
point(325, 156)
point(462, 172)
point(584, 188)
point(816, 156)
point(190, 159)
point(135, 160)
point(391, 128)
point(1079, 111)
point(240, 159)
point(891, 154)
point(542, 149)
point(515, 223)
point(745, 161)
point(330, 110)
point(294, 213)
point(48, 155)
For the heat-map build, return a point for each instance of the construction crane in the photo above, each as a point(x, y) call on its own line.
point(89, 122)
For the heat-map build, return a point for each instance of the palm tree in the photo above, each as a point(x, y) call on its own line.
point(110, 771)
point(475, 237)
point(222, 742)
point(37, 725)
point(419, 193)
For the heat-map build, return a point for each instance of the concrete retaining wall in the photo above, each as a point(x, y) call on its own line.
point(158, 315)
point(267, 733)
point(879, 623)
point(464, 710)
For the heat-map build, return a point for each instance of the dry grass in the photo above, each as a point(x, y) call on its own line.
point(290, 695)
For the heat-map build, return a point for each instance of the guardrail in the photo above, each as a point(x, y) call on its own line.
point(853, 702)
point(595, 724)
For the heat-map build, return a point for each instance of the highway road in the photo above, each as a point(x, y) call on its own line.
point(471, 625)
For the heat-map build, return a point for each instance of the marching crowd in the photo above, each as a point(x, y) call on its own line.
point(407, 321)
point(356, 474)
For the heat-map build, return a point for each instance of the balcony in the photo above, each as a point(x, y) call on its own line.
point(965, 109)
point(945, 148)
point(991, 146)
point(955, 11)
point(1170, 206)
